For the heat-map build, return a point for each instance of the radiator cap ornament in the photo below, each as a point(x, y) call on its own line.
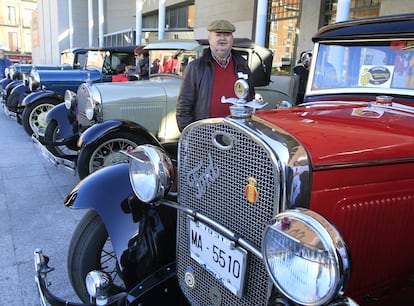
point(242, 109)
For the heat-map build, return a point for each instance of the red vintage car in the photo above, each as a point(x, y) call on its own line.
point(310, 205)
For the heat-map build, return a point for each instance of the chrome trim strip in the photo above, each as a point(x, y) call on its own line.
point(364, 164)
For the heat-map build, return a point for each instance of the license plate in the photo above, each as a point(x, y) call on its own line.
point(218, 255)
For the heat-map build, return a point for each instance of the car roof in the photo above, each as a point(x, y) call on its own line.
point(383, 27)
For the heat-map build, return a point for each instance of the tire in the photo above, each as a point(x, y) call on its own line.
point(52, 135)
point(12, 101)
point(91, 249)
point(34, 116)
point(105, 152)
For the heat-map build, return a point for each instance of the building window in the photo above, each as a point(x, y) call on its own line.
point(283, 20)
point(11, 17)
point(13, 41)
point(179, 17)
point(359, 9)
point(28, 42)
point(27, 18)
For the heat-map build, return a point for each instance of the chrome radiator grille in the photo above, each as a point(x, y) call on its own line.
point(82, 96)
point(224, 201)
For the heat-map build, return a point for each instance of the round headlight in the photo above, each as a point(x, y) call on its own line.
point(69, 98)
point(150, 171)
point(88, 99)
point(306, 257)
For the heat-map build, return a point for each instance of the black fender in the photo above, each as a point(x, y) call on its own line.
point(105, 191)
point(60, 114)
point(20, 90)
point(99, 130)
point(9, 87)
point(41, 94)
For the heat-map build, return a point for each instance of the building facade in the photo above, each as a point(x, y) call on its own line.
point(16, 28)
point(288, 24)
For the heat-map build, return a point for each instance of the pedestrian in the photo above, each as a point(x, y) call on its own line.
point(211, 76)
point(4, 63)
point(142, 68)
point(302, 70)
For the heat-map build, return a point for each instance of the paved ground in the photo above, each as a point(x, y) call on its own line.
point(32, 215)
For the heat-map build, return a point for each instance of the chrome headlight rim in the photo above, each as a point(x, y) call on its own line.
point(151, 172)
point(338, 255)
point(34, 80)
point(7, 73)
point(94, 101)
point(69, 99)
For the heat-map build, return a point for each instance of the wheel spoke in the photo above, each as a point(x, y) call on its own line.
point(108, 153)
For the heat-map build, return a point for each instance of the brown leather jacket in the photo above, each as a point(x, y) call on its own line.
point(195, 92)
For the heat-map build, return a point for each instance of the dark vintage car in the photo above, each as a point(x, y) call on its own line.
point(310, 205)
point(47, 88)
point(16, 80)
point(112, 116)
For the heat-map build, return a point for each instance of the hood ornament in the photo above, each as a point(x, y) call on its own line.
point(241, 108)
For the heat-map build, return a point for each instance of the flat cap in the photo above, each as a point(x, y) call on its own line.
point(221, 26)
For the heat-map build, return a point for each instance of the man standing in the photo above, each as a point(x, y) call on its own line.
point(4, 63)
point(211, 76)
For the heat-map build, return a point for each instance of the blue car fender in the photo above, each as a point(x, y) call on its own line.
point(105, 191)
point(20, 90)
point(99, 130)
point(59, 113)
point(12, 84)
point(4, 82)
point(41, 94)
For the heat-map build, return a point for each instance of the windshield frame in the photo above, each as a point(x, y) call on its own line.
point(319, 57)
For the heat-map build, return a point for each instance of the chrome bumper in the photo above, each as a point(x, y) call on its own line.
point(59, 162)
point(42, 269)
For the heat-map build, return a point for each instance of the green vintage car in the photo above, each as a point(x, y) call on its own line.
point(88, 130)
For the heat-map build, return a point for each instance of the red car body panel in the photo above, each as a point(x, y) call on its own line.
point(362, 177)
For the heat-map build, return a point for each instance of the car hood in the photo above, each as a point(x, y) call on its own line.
point(69, 75)
point(139, 89)
point(337, 135)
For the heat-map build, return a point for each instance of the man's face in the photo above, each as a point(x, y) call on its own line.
point(220, 43)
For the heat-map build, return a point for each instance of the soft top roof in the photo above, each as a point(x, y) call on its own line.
point(391, 26)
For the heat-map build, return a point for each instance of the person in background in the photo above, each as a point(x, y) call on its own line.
point(302, 70)
point(211, 76)
point(120, 74)
point(142, 68)
point(4, 63)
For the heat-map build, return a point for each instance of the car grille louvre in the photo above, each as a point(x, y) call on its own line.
point(225, 202)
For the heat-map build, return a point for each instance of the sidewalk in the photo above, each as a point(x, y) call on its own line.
point(32, 215)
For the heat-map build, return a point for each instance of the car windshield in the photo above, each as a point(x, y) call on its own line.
point(170, 61)
point(76, 60)
point(107, 61)
point(380, 66)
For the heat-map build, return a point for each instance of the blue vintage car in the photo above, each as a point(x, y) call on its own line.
point(47, 87)
point(14, 86)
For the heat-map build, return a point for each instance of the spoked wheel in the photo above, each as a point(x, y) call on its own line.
point(34, 116)
point(106, 152)
point(52, 135)
point(91, 249)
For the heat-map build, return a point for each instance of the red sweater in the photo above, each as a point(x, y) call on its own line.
point(223, 85)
